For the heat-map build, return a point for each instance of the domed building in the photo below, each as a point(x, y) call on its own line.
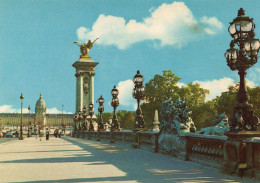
point(40, 118)
point(40, 106)
point(40, 112)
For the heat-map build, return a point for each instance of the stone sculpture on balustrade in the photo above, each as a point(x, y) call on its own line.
point(176, 120)
point(222, 126)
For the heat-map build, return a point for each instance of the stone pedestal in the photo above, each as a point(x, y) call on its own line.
point(236, 152)
point(156, 122)
point(85, 72)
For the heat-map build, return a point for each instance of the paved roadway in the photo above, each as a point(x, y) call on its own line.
point(76, 160)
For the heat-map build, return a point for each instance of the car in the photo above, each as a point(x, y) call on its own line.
point(9, 134)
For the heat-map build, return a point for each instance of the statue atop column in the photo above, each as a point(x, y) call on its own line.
point(85, 47)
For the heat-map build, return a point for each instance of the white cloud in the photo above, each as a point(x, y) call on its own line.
point(179, 84)
point(125, 89)
point(172, 24)
point(216, 87)
point(54, 110)
point(11, 109)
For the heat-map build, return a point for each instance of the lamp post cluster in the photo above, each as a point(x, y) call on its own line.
point(242, 58)
point(139, 123)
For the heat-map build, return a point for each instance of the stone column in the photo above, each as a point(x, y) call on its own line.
point(79, 91)
point(85, 71)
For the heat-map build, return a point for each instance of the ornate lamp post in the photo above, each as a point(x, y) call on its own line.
point(242, 32)
point(21, 128)
point(100, 110)
point(29, 123)
point(91, 112)
point(62, 123)
point(84, 115)
point(79, 123)
point(75, 123)
point(139, 93)
point(114, 103)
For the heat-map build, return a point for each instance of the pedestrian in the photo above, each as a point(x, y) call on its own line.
point(59, 132)
point(47, 134)
point(40, 135)
point(36, 133)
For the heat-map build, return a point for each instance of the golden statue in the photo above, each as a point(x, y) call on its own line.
point(84, 48)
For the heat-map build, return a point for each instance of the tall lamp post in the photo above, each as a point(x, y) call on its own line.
point(75, 124)
point(114, 103)
point(84, 125)
point(241, 59)
point(100, 110)
point(84, 115)
point(139, 93)
point(79, 123)
point(21, 128)
point(91, 112)
point(29, 123)
point(62, 124)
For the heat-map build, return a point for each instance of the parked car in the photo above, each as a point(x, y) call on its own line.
point(9, 134)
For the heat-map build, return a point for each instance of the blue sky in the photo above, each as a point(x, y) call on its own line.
point(187, 37)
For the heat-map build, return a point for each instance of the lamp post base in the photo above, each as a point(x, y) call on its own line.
point(244, 118)
point(237, 151)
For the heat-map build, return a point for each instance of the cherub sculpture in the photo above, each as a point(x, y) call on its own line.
point(84, 48)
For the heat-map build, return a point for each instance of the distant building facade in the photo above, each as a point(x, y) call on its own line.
point(40, 118)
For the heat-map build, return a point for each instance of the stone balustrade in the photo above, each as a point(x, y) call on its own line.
point(204, 149)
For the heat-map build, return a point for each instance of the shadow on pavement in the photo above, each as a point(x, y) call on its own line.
point(139, 165)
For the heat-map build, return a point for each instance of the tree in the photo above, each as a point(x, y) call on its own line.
point(164, 87)
point(227, 100)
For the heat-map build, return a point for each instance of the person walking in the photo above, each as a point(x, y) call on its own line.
point(47, 133)
point(40, 135)
point(36, 134)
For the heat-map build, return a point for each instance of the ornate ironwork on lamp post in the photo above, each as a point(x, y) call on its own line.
point(79, 123)
point(62, 121)
point(84, 115)
point(29, 123)
point(21, 128)
point(139, 93)
point(114, 103)
point(75, 123)
point(91, 112)
point(100, 110)
point(241, 59)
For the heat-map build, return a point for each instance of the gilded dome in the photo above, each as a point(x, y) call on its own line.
point(40, 106)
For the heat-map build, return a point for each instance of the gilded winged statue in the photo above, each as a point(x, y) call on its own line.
point(85, 47)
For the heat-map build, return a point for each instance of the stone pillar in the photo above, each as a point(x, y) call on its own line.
point(85, 72)
point(156, 122)
point(236, 151)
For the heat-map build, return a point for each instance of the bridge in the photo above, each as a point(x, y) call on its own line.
point(70, 159)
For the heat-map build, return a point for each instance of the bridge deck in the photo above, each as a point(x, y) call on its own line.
point(76, 160)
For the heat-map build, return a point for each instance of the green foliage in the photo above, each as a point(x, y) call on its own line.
point(125, 118)
point(106, 116)
point(227, 100)
point(164, 87)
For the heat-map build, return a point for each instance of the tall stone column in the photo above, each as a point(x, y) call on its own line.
point(85, 72)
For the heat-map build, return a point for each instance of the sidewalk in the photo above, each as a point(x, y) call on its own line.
point(75, 160)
